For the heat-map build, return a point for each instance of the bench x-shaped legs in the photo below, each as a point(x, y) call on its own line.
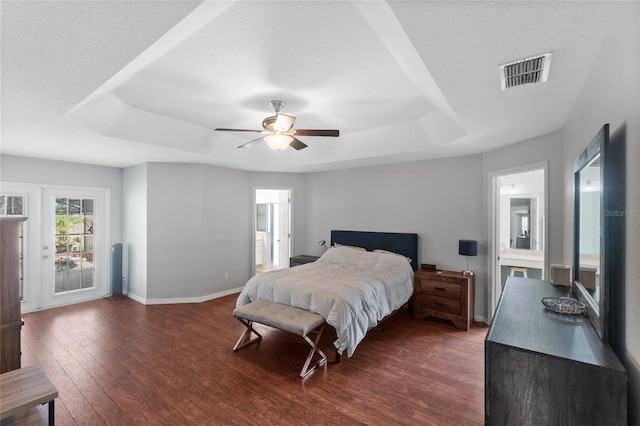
point(306, 369)
point(246, 340)
point(247, 335)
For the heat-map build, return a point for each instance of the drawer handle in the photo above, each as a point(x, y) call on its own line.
point(441, 305)
point(440, 288)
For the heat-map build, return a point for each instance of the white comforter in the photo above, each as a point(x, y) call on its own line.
point(351, 289)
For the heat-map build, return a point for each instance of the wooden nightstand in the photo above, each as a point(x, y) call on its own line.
point(444, 294)
point(301, 259)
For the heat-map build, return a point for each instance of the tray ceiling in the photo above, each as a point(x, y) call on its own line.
point(120, 83)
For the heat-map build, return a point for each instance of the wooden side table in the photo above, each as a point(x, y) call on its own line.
point(301, 259)
point(444, 294)
point(22, 391)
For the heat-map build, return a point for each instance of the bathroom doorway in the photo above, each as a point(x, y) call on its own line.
point(518, 213)
point(272, 228)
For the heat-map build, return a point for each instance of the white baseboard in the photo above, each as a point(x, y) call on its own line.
point(478, 318)
point(179, 300)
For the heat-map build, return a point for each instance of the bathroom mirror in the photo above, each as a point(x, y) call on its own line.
point(523, 213)
point(590, 261)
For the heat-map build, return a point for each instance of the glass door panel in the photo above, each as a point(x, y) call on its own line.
point(74, 244)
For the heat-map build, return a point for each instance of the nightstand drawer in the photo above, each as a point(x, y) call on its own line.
point(441, 289)
point(444, 294)
point(442, 304)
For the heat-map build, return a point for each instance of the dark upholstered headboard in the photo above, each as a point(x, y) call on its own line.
point(401, 243)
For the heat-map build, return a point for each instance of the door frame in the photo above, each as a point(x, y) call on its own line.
point(493, 258)
point(49, 298)
point(255, 189)
point(34, 243)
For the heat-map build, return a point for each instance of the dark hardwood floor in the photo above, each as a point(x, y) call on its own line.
point(120, 362)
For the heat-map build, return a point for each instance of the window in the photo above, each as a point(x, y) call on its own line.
point(13, 205)
point(74, 242)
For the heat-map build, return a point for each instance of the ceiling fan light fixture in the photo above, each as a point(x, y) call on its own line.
point(278, 141)
point(283, 123)
point(279, 132)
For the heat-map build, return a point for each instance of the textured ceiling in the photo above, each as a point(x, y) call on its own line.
point(120, 83)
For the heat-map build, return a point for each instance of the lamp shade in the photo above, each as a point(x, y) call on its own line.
point(278, 141)
point(468, 248)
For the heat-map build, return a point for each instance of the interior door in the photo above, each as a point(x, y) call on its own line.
point(284, 231)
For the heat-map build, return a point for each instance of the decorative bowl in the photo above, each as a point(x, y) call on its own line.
point(563, 305)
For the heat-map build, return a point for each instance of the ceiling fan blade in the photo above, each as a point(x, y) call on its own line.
point(253, 142)
point(238, 130)
point(283, 122)
point(308, 132)
point(297, 144)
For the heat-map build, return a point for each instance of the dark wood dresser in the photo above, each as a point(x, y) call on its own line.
point(545, 368)
point(444, 294)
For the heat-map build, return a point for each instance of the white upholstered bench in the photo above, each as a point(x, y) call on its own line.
point(283, 317)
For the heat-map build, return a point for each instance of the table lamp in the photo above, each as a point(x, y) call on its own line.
point(467, 248)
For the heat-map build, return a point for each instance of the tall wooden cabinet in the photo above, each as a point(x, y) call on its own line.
point(10, 321)
point(545, 368)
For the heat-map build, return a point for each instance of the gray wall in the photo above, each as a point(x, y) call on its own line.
point(548, 149)
point(197, 222)
point(48, 172)
point(440, 200)
point(612, 95)
point(134, 201)
point(188, 225)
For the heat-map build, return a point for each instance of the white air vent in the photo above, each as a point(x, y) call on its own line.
point(526, 71)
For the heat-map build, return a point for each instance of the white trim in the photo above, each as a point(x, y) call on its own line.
point(183, 300)
point(69, 303)
point(478, 318)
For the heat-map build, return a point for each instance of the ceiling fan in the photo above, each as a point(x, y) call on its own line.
point(279, 133)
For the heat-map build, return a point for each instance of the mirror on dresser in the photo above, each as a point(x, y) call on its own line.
point(591, 201)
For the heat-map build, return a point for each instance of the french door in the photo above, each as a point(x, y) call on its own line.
point(74, 255)
point(64, 242)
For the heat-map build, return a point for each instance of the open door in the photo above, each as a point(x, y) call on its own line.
point(272, 222)
point(518, 222)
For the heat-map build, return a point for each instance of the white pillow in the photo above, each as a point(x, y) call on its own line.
point(343, 255)
point(352, 247)
point(390, 252)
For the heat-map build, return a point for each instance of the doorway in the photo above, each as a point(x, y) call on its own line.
point(272, 228)
point(64, 242)
point(518, 213)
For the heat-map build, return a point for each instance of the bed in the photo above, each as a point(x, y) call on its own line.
point(352, 289)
